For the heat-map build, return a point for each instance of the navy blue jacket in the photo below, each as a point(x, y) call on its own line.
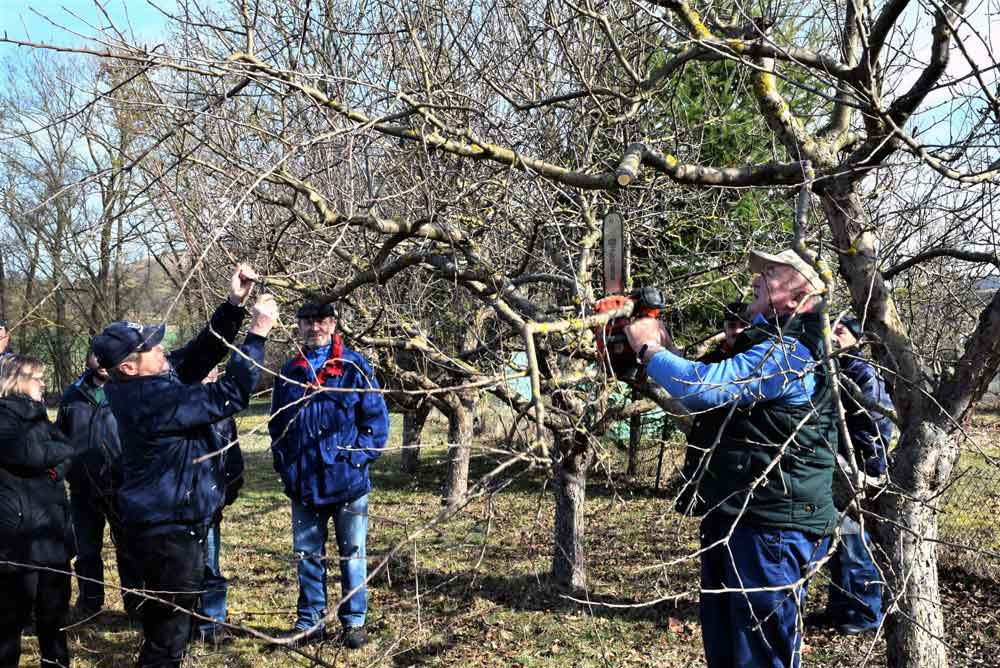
point(232, 459)
point(165, 423)
point(871, 432)
point(322, 442)
point(86, 419)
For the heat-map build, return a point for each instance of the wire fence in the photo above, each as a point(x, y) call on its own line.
point(971, 519)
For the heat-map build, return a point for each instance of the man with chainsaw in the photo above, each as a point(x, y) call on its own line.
point(762, 483)
point(328, 422)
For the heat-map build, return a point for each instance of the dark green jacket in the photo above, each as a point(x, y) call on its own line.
point(779, 455)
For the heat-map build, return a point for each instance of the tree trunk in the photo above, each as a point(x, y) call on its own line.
point(118, 306)
point(915, 628)
point(30, 279)
point(460, 428)
point(62, 358)
point(413, 426)
point(3, 288)
point(922, 463)
point(569, 567)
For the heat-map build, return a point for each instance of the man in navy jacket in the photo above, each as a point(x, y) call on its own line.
point(85, 417)
point(172, 485)
point(854, 604)
point(326, 426)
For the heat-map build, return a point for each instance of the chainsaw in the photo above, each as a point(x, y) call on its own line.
point(613, 350)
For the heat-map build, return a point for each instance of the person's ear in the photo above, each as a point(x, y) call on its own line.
point(127, 368)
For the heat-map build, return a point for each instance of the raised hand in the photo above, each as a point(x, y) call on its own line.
point(241, 284)
point(265, 315)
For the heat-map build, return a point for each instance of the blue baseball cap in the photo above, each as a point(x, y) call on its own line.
point(122, 338)
point(853, 325)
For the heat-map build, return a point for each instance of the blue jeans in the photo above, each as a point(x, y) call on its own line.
point(855, 591)
point(754, 628)
point(214, 587)
point(89, 518)
point(310, 531)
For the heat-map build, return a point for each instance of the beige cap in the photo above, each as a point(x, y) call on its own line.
point(758, 261)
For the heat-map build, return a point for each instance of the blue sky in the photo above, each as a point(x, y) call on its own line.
point(33, 20)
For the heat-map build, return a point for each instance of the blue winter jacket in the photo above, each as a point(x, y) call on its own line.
point(165, 423)
point(323, 441)
point(871, 431)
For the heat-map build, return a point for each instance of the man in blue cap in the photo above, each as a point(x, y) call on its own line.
point(328, 422)
point(172, 484)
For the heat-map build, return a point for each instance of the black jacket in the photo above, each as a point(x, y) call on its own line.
point(34, 513)
point(232, 458)
point(165, 423)
point(85, 418)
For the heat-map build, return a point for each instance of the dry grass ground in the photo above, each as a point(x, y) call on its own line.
point(473, 592)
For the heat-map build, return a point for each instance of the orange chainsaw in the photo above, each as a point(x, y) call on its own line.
point(613, 351)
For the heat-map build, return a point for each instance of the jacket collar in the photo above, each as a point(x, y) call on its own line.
point(23, 407)
point(332, 367)
point(91, 392)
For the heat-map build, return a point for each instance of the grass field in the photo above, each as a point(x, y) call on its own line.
point(473, 591)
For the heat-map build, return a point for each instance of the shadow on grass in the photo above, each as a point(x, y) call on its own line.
point(524, 478)
point(535, 594)
point(418, 656)
point(110, 633)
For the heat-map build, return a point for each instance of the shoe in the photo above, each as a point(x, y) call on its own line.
point(354, 637)
point(854, 629)
point(314, 637)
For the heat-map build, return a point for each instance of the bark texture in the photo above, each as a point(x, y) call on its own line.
point(569, 566)
point(413, 426)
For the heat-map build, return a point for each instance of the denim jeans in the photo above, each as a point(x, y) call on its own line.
point(213, 596)
point(89, 518)
point(855, 591)
point(310, 531)
point(754, 628)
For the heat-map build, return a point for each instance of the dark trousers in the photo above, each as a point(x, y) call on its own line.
point(89, 517)
point(752, 626)
point(47, 594)
point(855, 583)
point(173, 566)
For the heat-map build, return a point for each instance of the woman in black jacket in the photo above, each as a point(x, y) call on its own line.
point(36, 539)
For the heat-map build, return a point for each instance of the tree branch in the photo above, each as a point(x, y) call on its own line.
point(965, 256)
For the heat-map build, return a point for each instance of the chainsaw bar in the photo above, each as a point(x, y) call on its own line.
point(613, 239)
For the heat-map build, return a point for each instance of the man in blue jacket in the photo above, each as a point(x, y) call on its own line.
point(327, 424)
point(763, 483)
point(94, 480)
point(854, 604)
point(172, 484)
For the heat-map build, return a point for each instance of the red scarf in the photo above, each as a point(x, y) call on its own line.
point(332, 367)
